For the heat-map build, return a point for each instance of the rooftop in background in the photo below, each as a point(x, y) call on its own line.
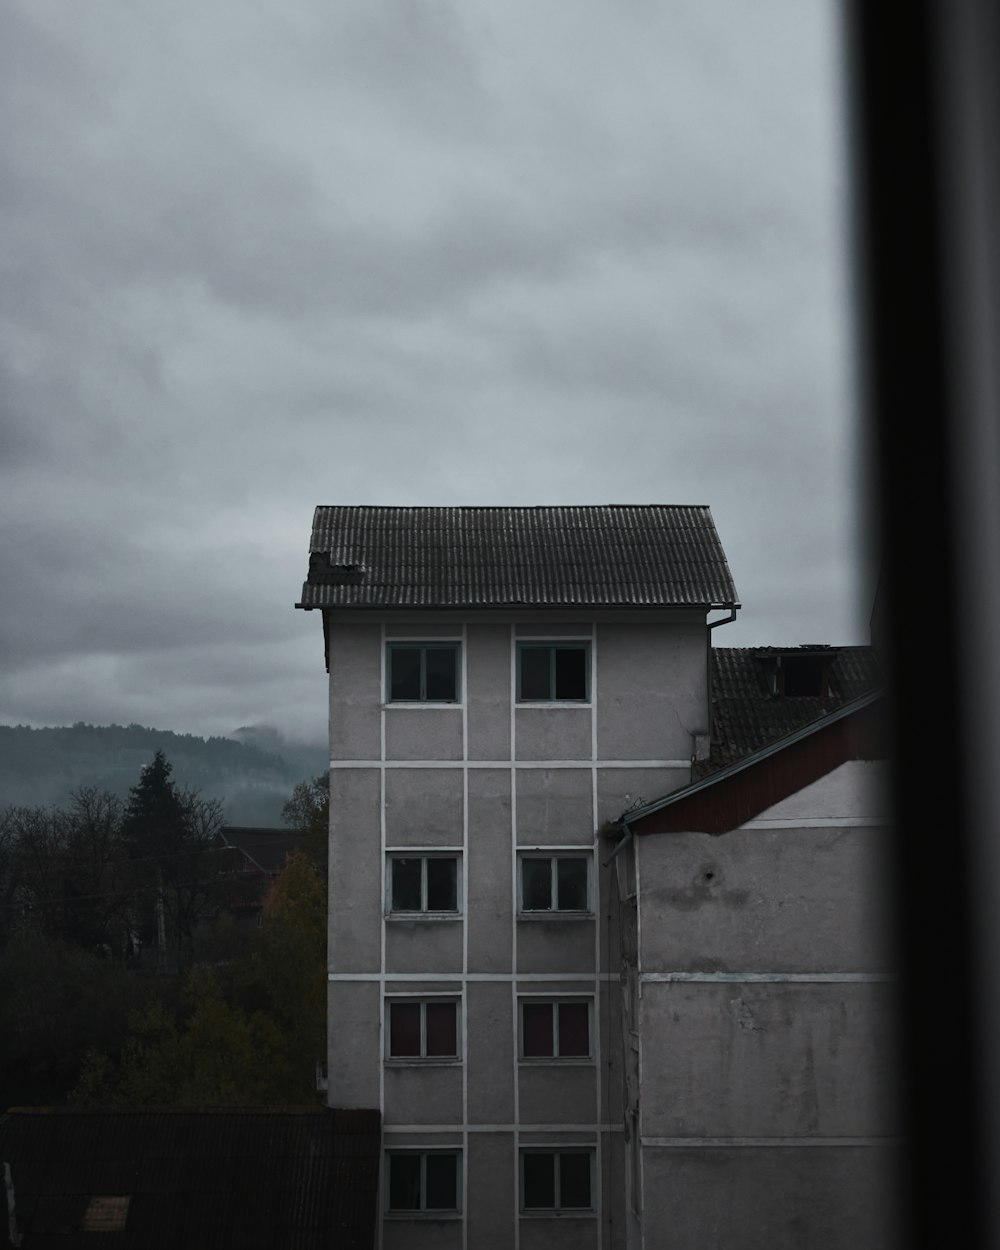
point(654, 555)
point(264, 847)
point(762, 694)
point(252, 1178)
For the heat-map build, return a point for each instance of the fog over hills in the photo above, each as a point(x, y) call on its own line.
point(252, 771)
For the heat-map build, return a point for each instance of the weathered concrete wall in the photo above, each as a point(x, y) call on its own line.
point(483, 778)
point(766, 1026)
point(652, 683)
point(764, 900)
point(784, 1198)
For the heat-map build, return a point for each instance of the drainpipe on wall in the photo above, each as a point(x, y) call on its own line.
point(723, 620)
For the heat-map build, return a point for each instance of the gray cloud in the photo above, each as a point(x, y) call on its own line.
point(259, 258)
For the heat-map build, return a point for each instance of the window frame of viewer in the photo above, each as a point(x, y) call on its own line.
point(416, 644)
point(423, 1001)
point(423, 1210)
point(553, 856)
point(424, 912)
point(553, 696)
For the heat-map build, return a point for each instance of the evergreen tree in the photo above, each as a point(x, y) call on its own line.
point(170, 838)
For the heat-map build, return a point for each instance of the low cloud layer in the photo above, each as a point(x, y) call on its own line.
point(257, 258)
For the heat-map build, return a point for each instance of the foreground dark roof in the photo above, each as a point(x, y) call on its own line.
point(747, 715)
point(616, 556)
point(253, 1179)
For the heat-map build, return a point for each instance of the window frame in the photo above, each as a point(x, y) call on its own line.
point(423, 1211)
point(423, 646)
point(556, 644)
point(423, 1000)
point(557, 1210)
point(554, 1003)
point(424, 854)
point(553, 854)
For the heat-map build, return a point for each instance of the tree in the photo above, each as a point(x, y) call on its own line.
point(308, 813)
point(293, 964)
point(169, 835)
point(246, 1034)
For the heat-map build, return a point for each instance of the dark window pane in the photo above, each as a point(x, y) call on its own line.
point(404, 1182)
point(442, 1183)
point(440, 667)
point(535, 673)
point(574, 1029)
point(536, 1026)
point(404, 1029)
point(442, 885)
point(536, 884)
point(574, 1180)
point(404, 673)
point(441, 1032)
point(405, 885)
point(571, 884)
point(571, 673)
point(539, 1181)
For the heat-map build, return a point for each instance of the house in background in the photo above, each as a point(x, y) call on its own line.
point(256, 857)
point(508, 685)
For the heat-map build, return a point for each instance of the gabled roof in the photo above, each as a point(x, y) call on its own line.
point(246, 1179)
point(746, 712)
point(610, 556)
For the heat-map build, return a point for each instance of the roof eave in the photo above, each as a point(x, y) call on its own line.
point(628, 819)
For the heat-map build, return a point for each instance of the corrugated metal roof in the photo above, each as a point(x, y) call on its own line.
point(611, 555)
point(747, 715)
point(256, 1179)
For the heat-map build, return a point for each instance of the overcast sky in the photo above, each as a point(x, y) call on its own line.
point(264, 254)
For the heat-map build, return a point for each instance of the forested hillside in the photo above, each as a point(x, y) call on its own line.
point(251, 774)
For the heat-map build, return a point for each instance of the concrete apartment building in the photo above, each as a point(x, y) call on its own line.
point(509, 688)
point(502, 682)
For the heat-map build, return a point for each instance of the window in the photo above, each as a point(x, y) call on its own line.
point(422, 672)
point(555, 1030)
point(422, 1180)
point(422, 1029)
point(555, 883)
point(556, 1180)
point(420, 884)
point(549, 672)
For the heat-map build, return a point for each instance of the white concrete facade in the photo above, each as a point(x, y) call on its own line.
point(758, 1026)
point(487, 780)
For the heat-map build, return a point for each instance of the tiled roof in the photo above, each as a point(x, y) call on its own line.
point(747, 715)
point(616, 556)
point(252, 1179)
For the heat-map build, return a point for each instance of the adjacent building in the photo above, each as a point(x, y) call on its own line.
point(758, 999)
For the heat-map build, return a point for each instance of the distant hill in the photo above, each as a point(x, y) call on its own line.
point(252, 773)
